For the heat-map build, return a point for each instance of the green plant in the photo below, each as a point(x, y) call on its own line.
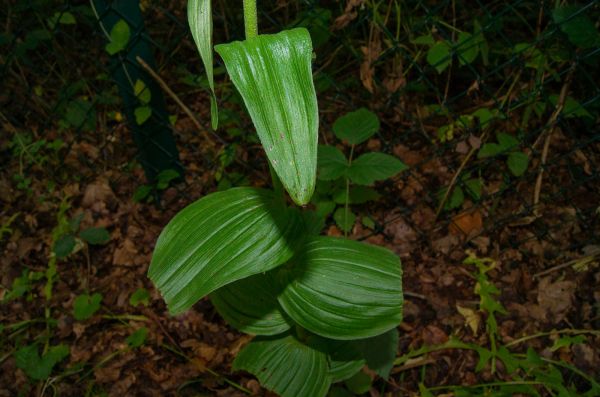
point(321, 307)
point(521, 373)
point(346, 180)
point(147, 193)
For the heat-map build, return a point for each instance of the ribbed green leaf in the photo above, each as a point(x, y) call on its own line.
point(219, 239)
point(342, 289)
point(371, 167)
point(379, 351)
point(273, 75)
point(286, 366)
point(251, 306)
point(200, 21)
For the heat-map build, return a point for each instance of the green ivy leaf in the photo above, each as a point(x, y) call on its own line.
point(439, 56)
point(200, 20)
point(221, 238)
point(371, 167)
point(142, 92)
point(85, 306)
point(250, 305)
point(39, 368)
point(286, 366)
point(517, 163)
point(141, 296)
point(64, 246)
point(467, 48)
point(332, 163)
point(280, 97)
point(356, 127)
point(95, 235)
point(342, 289)
point(344, 220)
point(507, 142)
point(119, 37)
point(489, 150)
point(142, 114)
point(138, 338)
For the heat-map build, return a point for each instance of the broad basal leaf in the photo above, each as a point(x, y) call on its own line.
point(286, 366)
point(200, 21)
point(342, 289)
point(251, 306)
point(356, 127)
point(219, 239)
point(273, 75)
point(371, 167)
point(379, 351)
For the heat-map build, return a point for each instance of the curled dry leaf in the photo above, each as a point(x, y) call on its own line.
point(350, 14)
point(556, 298)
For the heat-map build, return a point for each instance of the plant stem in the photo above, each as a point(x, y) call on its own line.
point(250, 18)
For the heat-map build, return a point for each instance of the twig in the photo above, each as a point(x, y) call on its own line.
point(585, 259)
point(455, 178)
point(168, 90)
point(550, 126)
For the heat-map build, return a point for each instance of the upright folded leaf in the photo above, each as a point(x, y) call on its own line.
point(200, 21)
point(219, 239)
point(342, 289)
point(273, 75)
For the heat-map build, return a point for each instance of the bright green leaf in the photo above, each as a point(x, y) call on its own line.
point(439, 56)
point(165, 177)
point(356, 127)
point(142, 92)
point(344, 219)
point(474, 188)
point(368, 222)
point(119, 37)
point(142, 114)
point(424, 40)
point(137, 338)
point(95, 235)
point(467, 48)
point(332, 163)
point(517, 163)
point(64, 246)
point(141, 296)
point(507, 142)
point(39, 368)
point(489, 150)
point(567, 341)
point(273, 75)
point(286, 366)
point(324, 208)
point(250, 305)
point(200, 21)
point(371, 167)
point(221, 238)
point(343, 356)
point(342, 289)
point(142, 192)
point(85, 306)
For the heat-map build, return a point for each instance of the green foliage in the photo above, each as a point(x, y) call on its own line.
point(141, 296)
point(507, 145)
point(354, 128)
point(579, 28)
point(138, 338)
point(85, 306)
point(39, 368)
point(119, 37)
point(312, 300)
point(68, 237)
point(163, 181)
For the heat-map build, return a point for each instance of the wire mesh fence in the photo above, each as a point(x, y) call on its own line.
point(493, 105)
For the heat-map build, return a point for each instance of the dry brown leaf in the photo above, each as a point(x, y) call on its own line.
point(556, 298)
point(349, 14)
point(99, 191)
point(467, 223)
point(125, 254)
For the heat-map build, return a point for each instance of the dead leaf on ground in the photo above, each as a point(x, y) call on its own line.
point(472, 318)
point(556, 298)
point(467, 223)
point(98, 191)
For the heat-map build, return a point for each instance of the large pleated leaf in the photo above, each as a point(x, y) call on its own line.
point(273, 75)
point(286, 366)
point(251, 306)
point(200, 21)
point(219, 239)
point(342, 289)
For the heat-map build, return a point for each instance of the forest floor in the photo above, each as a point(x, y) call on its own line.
point(545, 266)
